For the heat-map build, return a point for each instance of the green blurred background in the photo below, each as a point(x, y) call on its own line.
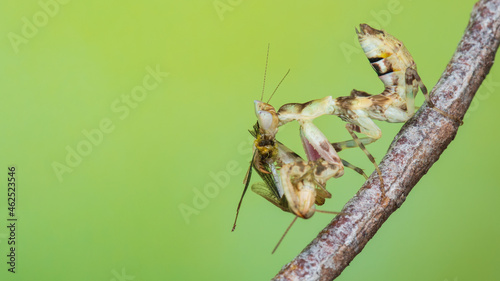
point(128, 207)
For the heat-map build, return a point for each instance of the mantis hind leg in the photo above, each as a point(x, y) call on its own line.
point(355, 168)
point(365, 126)
point(411, 75)
point(339, 146)
point(351, 128)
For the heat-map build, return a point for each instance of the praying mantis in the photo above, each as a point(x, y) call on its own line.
point(295, 185)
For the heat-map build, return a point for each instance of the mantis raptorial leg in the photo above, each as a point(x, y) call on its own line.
point(396, 68)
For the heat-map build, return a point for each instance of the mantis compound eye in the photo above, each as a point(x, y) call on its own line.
point(267, 117)
point(265, 120)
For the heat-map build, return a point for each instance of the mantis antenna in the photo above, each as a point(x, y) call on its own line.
point(265, 72)
point(278, 86)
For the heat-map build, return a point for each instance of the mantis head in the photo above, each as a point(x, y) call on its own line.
point(267, 118)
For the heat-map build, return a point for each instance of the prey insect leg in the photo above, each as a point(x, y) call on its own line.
point(246, 181)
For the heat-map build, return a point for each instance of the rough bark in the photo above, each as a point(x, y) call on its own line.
point(415, 148)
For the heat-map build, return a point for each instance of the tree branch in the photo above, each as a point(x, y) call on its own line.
point(415, 148)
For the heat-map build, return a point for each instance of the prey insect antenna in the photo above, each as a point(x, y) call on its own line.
point(265, 72)
point(278, 86)
point(284, 234)
point(247, 182)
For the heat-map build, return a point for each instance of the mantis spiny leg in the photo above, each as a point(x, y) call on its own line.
point(412, 75)
point(351, 128)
